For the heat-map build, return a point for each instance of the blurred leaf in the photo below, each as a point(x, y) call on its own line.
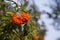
point(5, 18)
point(9, 13)
point(4, 24)
point(1, 0)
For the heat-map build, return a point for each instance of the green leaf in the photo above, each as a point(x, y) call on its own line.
point(5, 18)
point(4, 24)
point(1, 0)
point(9, 13)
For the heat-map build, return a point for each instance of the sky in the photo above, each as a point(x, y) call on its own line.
point(52, 33)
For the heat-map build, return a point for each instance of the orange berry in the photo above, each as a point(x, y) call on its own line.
point(25, 16)
point(36, 36)
point(13, 14)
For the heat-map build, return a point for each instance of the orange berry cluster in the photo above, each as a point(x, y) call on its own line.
point(19, 19)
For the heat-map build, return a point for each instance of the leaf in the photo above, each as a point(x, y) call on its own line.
point(9, 13)
point(4, 24)
point(26, 38)
point(1, 0)
point(5, 18)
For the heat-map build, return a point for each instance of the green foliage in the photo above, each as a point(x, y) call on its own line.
point(9, 31)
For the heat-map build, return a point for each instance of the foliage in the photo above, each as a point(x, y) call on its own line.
point(18, 24)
